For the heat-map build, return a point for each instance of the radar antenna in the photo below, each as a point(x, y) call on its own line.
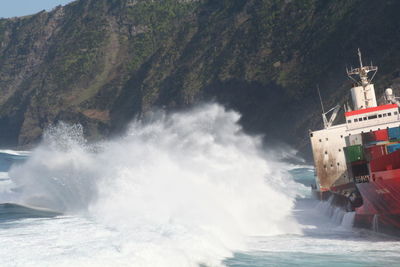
point(362, 72)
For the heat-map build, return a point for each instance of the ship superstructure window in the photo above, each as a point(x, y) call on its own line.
point(395, 113)
point(389, 114)
point(372, 117)
point(348, 121)
point(379, 115)
point(384, 115)
point(355, 120)
point(365, 118)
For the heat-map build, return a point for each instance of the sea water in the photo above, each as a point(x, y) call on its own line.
point(185, 189)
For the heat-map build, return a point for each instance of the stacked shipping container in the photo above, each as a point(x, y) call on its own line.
point(379, 149)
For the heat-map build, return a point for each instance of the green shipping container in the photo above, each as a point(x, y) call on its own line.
point(354, 153)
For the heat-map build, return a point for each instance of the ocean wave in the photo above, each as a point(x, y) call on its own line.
point(15, 152)
point(182, 189)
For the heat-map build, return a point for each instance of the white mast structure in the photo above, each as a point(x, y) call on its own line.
point(363, 93)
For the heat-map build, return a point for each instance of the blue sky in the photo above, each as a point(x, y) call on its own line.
point(14, 8)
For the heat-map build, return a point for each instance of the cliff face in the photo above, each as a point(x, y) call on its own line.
point(103, 62)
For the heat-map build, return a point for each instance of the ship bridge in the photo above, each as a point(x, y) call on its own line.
point(374, 116)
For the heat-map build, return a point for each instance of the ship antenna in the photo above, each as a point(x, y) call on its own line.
point(373, 75)
point(359, 57)
point(363, 80)
point(362, 72)
point(327, 124)
point(320, 99)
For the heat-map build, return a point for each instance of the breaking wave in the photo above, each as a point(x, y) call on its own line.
point(182, 189)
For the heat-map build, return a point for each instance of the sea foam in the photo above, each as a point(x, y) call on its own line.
point(181, 189)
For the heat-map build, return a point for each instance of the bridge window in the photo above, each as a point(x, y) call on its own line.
point(355, 120)
point(372, 117)
point(379, 115)
point(348, 121)
point(384, 115)
point(365, 118)
point(395, 113)
point(389, 114)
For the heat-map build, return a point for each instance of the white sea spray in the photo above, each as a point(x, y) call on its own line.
point(181, 189)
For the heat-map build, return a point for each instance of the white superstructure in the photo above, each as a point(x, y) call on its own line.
point(328, 143)
point(363, 93)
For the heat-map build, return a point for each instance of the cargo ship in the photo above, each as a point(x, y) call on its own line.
point(357, 163)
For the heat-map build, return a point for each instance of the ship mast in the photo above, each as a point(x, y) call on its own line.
point(363, 93)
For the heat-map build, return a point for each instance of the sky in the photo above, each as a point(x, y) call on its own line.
point(16, 8)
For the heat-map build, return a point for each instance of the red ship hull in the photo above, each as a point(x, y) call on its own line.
point(381, 203)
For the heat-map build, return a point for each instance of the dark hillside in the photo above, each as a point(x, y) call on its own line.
point(102, 62)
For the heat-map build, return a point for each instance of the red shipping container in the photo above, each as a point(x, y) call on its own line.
point(374, 152)
point(389, 161)
point(381, 135)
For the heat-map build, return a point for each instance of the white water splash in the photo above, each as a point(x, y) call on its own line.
point(182, 190)
point(337, 214)
point(375, 223)
point(348, 220)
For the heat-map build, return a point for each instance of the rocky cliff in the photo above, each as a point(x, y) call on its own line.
point(104, 62)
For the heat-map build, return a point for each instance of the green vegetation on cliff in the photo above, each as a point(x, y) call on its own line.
point(103, 62)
